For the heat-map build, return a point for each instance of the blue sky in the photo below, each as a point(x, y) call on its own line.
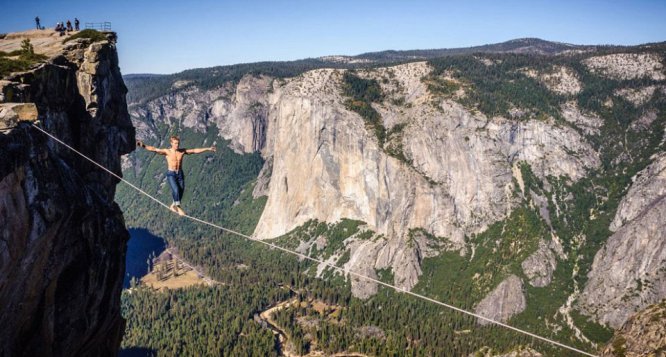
point(165, 36)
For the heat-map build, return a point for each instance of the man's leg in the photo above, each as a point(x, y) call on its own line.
point(180, 181)
point(171, 178)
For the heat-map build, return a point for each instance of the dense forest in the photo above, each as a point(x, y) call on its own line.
point(223, 319)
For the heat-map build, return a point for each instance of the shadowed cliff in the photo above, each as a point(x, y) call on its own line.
point(62, 236)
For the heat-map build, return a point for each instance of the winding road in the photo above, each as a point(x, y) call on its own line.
point(283, 338)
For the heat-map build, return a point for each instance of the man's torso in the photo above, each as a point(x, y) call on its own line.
point(174, 159)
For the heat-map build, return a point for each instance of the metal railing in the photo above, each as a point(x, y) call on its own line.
point(99, 26)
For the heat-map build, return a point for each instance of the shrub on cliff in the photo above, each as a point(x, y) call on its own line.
point(22, 61)
point(94, 35)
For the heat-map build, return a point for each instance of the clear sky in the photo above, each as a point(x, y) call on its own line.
point(166, 36)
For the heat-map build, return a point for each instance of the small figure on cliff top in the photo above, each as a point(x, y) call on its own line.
point(174, 157)
point(76, 24)
point(39, 27)
point(60, 28)
point(69, 26)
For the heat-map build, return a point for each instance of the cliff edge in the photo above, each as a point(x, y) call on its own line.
point(62, 236)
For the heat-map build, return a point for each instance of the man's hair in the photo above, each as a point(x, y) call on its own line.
point(173, 137)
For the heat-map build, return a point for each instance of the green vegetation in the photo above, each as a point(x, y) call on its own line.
point(391, 324)
point(441, 86)
point(496, 89)
point(394, 146)
point(595, 332)
point(334, 233)
point(619, 346)
point(19, 60)
point(362, 93)
point(591, 202)
point(497, 252)
point(94, 35)
point(198, 321)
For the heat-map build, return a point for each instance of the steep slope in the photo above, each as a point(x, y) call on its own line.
point(642, 335)
point(63, 239)
point(629, 272)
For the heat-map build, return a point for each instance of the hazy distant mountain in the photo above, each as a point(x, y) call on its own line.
point(521, 45)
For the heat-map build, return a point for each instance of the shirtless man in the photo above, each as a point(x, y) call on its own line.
point(174, 157)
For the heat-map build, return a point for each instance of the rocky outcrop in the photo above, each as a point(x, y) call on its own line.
point(644, 121)
point(62, 237)
point(642, 335)
point(560, 79)
point(239, 112)
point(648, 188)
point(637, 96)
point(539, 266)
point(506, 300)
point(588, 123)
point(263, 180)
point(628, 273)
point(12, 114)
point(628, 65)
point(459, 179)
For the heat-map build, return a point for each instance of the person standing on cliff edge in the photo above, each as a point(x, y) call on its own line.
point(174, 157)
point(39, 27)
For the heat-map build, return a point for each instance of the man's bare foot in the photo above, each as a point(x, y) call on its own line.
point(173, 208)
point(180, 211)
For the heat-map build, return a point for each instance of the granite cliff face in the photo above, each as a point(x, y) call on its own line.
point(239, 112)
point(63, 238)
point(505, 301)
point(629, 272)
point(459, 179)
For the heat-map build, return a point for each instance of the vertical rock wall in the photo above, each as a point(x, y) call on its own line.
point(62, 236)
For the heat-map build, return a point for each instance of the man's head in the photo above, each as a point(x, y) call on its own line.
point(175, 141)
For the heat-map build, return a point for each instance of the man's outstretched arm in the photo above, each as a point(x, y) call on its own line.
point(200, 150)
point(151, 148)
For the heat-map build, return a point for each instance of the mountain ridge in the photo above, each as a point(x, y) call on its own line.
point(160, 84)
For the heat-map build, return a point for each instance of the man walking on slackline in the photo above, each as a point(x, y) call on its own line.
point(174, 157)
